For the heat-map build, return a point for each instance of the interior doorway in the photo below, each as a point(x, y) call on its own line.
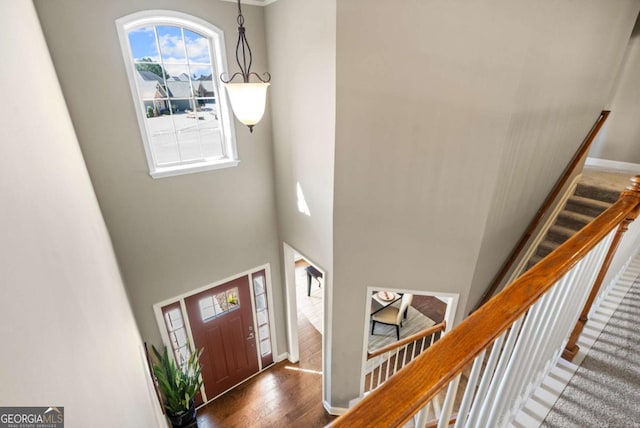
point(397, 314)
point(424, 309)
point(305, 309)
point(309, 300)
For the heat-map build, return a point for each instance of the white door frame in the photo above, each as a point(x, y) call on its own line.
point(451, 300)
point(291, 302)
point(157, 309)
point(289, 253)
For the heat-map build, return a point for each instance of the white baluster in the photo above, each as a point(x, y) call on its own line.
point(469, 392)
point(447, 406)
point(479, 401)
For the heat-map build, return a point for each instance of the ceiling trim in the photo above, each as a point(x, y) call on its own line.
point(253, 2)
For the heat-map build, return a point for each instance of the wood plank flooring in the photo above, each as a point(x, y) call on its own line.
point(284, 397)
point(277, 397)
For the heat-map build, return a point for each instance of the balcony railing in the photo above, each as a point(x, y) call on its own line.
point(506, 347)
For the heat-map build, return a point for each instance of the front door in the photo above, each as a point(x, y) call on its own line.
point(222, 323)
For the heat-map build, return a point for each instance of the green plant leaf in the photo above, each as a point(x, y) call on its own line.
point(178, 385)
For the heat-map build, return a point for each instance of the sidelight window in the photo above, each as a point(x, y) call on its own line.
point(262, 315)
point(177, 334)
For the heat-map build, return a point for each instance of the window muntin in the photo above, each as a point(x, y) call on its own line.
point(262, 315)
point(219, 304)
point(177, 335)
point(172, 62)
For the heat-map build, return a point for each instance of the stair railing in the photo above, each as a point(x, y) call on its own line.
point(512, 341)
point(386, 361)
point(544, 208)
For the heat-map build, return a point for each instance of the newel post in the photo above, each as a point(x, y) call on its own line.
point(632, 191)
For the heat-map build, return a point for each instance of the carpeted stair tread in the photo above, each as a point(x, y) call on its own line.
point(573, 220)
point(588, 201)
point(533, 261)
point(586, 206)
point(579, 211)
point(603, 390)
point(595, 192)
point(546, 247)
point(559, 233)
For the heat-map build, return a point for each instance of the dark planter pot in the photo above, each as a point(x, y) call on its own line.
point(187, 419)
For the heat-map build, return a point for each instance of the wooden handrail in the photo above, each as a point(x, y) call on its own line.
point(562, 181)
point(409, 339)
point(409, 390)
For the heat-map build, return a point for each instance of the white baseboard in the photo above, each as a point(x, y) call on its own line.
point(610, 164)
point(281, 357)
point(336, 411)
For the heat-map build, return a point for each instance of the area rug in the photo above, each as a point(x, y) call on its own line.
point(605, 390)
point(386, 334)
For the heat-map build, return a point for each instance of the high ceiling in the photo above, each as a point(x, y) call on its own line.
point(254, 2)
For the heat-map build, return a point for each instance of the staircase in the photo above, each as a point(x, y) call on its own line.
point(536, 409)
point(588, 201)
point(523, 329)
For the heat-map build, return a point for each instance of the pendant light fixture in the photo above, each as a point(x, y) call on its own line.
point(247, 99)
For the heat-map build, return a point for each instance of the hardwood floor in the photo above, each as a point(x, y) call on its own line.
point(281, 396)
point(288, 395)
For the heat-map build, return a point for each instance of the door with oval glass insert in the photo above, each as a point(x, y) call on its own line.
point(221, 320)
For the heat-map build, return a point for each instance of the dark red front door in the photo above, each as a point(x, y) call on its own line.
point(221, 321)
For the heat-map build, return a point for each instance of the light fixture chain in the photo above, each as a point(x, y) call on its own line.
point(244, 56)
point(244, 68)
point(247, 99)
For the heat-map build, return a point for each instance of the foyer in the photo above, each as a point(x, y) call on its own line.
point(421, 135)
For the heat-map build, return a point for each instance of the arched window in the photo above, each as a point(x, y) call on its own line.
point(172, 62)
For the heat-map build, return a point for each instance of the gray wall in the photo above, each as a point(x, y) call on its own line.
point(621, 141)
point(173, 234)
point(301, 45)
point(453, 119)
point(69, 337)
point(561, 93)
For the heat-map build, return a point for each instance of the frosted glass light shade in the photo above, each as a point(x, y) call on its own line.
point(248, 101)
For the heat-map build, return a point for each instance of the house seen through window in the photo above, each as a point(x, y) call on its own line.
point(173, 62)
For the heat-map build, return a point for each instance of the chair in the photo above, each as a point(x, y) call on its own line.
point(392, 315)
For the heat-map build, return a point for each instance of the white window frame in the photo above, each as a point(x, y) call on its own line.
point(219, 64)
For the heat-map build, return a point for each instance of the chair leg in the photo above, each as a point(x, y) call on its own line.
point(373, 326)
point(398, 331)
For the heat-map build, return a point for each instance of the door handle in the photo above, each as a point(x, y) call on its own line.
point(250, 336)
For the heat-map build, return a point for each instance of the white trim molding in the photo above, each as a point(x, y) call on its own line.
point(253, 2)
point(335, 411)
point(532, 246)
point(611, 164)
point(217, 64)
point(451, 300)
point(157, 309)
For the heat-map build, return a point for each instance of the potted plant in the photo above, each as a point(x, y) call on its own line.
point(179, 386)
